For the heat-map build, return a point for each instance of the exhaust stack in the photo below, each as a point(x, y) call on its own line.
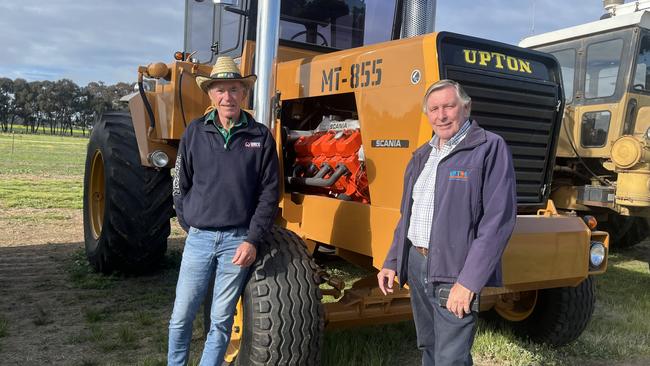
point(266, 49)
point(418, 17)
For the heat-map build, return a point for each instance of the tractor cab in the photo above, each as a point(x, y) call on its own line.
point(310, 26)
point(603, 160)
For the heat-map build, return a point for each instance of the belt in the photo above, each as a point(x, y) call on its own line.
point(423, 251)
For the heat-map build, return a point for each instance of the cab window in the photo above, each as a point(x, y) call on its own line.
point(211, 30)
point(337, 24)
point(642, 71)
point(567, 60)
point(594, 128)
point(603, 63)
point(199, 29)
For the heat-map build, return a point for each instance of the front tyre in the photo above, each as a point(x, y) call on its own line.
point(281, 317)
point(126, 206)
point(555, 316)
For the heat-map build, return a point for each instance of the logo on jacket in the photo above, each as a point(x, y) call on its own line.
point(461, 175)
point(252, 144)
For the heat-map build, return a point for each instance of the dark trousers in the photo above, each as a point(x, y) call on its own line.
point(443, 338)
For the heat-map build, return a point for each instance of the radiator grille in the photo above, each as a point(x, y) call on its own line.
point(524, 113)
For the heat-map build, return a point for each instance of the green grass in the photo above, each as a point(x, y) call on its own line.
point(381, 345)
point(41, 171)
point(144, 318)
point(37, 216)
point(50, 193)
point(95, 315)
point(619, 330)
point(127, 336)
point(83, 276)
point(42, 155)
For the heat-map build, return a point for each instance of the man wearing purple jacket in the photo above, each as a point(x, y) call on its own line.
point(458, 211)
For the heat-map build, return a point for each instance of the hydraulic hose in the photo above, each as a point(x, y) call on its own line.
point(180, 97)
point(152, 122)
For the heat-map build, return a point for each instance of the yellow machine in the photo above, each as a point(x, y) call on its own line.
point(344, 99)
point(603, 157)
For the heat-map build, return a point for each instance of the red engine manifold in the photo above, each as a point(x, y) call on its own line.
point(333, 148)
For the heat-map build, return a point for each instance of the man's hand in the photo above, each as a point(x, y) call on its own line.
point(386, 278)
point(245, 254)
point(459, 300)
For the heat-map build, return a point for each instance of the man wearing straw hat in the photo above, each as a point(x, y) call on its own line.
point(226, 197)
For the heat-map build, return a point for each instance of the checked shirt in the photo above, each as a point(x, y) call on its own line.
point(425, 187)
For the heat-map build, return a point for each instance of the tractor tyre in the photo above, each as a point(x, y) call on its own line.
point(626, 231)
point(282, 311)
point(561, 314)
point(126, 207)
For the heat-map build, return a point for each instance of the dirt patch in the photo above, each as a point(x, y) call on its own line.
point(57, 312)
point(30, 226)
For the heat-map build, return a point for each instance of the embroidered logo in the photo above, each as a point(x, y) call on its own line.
point(253, 144)
point(461, 175)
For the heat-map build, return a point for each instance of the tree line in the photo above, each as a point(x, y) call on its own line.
point(57, 107)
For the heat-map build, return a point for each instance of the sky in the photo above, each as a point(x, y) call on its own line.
point(106, 40)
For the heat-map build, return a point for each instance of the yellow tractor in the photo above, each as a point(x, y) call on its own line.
point(603, 156)
point(340, 83)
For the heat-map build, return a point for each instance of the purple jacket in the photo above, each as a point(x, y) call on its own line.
point(475, 212)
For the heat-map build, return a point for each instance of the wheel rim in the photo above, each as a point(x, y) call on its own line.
point(516, 306)
point(97, 194)
point(236, 334)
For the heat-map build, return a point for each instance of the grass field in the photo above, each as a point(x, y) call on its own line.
point(123, 319)
point(21, 129)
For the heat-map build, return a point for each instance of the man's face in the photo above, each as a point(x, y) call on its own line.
point(446, 112)
point(227, 96)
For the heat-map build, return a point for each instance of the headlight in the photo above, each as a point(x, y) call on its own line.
point(159, 159)
point(647, 133)
point(596, 254)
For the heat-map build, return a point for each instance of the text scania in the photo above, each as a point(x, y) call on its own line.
point(497, 60)
point(390, 143)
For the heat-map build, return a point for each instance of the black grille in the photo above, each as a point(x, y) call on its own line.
point(524, 113)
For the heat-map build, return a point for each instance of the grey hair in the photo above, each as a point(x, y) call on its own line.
point(444, 83)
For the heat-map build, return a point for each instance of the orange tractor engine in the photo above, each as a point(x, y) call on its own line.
point(329, 161)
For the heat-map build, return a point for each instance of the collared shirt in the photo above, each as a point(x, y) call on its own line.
point(227, 134)
point(425, 187)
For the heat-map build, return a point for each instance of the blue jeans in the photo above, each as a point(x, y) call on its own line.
point(206, 253)
point(443, 338)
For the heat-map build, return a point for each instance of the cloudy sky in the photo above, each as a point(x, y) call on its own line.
point(105, 40)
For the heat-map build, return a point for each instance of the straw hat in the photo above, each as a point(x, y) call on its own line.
point(224, 69)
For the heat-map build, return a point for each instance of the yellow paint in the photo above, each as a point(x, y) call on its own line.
point(633, 187)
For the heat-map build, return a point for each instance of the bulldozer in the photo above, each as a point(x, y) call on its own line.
point(340, 85)
point(603, 156)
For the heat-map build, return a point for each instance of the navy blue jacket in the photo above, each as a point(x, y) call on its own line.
point(475, 212)
point(217, 187)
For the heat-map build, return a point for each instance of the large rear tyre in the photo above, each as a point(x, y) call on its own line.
point(126, 206)
point(282, 312)
point(626, 231)
point(560, 314)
